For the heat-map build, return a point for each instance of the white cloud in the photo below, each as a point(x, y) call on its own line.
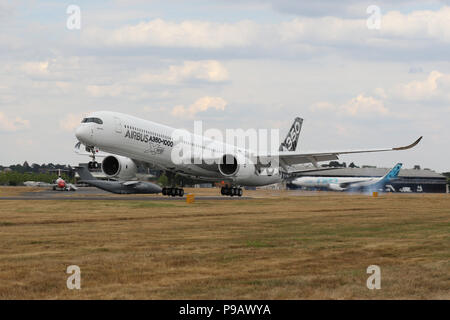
point(100, 91)
point(200, 105)
point(420, 26)
point(380, 92)
point(190, 33)
point(206, 70)
point(71, 121)
point(322, 106)
point(359, 106)
point(348, 8)
point(417, 25)
point(435, 86)
point(362, 105)
point(136, 86)
point(12, 124)
point(55, 69)
point(35, 68)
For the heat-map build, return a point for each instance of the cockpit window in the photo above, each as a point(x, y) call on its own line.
point(92, 120)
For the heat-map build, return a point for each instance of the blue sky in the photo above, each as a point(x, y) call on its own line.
point(245, 63)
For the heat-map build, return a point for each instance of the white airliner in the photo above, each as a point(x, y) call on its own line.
point(133, 141)
point(348, 184)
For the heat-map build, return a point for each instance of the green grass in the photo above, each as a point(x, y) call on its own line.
point(258, 244)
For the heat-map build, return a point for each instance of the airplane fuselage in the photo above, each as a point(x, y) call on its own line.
point(348, 183)
point(329, 182)
point(153, 143)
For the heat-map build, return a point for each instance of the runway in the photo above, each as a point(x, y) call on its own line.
point(94, 194)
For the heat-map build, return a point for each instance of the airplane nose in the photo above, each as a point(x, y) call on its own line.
point(82, 134)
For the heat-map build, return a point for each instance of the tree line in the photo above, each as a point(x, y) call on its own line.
point(17, 174)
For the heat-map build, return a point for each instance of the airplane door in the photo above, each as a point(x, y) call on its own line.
point(118, 125)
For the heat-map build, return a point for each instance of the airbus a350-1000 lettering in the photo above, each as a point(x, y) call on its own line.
point(131, 142)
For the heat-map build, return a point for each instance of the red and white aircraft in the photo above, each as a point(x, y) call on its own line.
point(61, 185)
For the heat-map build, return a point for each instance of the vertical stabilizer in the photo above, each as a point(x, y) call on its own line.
point(393, 173)
point(290, 143)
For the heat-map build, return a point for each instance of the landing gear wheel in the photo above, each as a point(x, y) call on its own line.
point(93, 165)
point(225, 191)
point(173, 192)
point(231, 192)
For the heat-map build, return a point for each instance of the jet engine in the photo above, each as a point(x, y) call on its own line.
point(335, 187)
point(119, 167)
point(236, 166)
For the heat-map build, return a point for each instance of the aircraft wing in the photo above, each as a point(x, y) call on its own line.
point(131, 183)
point(309, 170)
point(292, 158)
point(72, 186)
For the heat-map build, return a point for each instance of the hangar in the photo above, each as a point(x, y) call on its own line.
point(409, 180)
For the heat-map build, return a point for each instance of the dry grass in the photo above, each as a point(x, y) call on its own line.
point(17, 191)
point(279, 246)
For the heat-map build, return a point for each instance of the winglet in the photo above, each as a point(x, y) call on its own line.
point(412, 145)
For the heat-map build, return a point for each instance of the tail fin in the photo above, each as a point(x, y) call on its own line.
point(291, 141)
point(393, 173)
point(84, 174)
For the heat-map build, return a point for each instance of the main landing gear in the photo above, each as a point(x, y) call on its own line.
point(173, 192)
point(231, 192)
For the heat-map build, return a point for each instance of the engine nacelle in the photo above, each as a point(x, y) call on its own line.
point(335, 187)
point(236, 166)
point(119, 167)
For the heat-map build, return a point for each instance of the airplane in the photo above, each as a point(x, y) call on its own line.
point(349, 184)
point(133, 141)
point(119, 187)
point(38, 184)
point(61, 185)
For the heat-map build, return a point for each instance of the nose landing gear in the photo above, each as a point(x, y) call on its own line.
point(231, 192)
point(93, 165)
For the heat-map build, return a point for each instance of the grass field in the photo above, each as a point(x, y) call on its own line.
point(278, 246)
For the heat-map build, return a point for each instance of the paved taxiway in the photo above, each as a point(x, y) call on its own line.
point(89, 193)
